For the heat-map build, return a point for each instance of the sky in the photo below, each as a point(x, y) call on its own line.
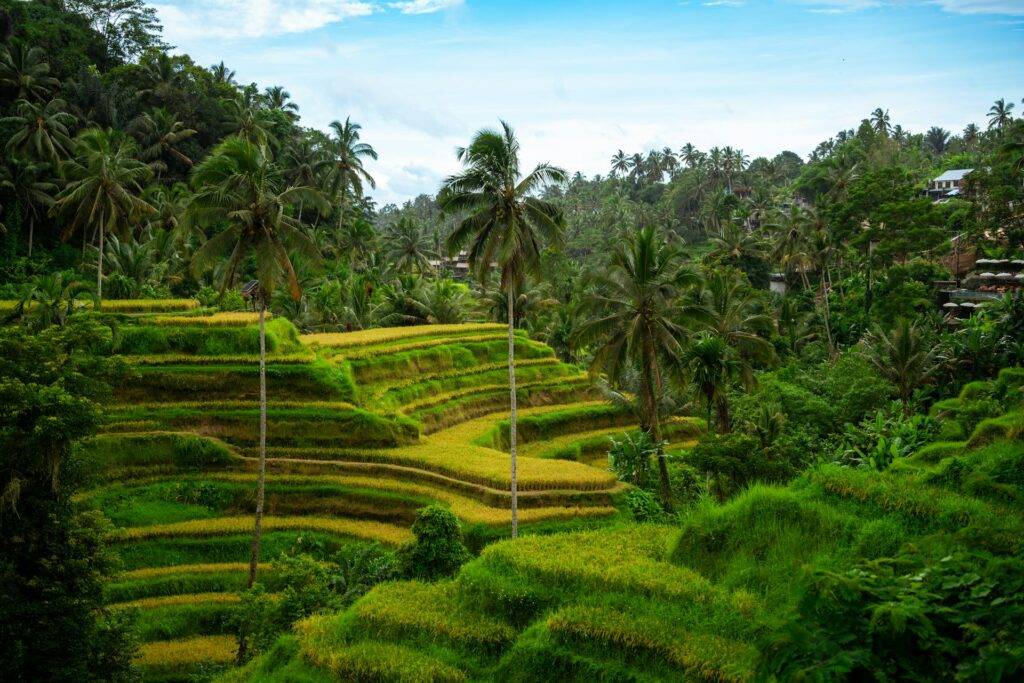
point(580, 79)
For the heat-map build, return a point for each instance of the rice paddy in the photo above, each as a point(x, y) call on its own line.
point(363, 430)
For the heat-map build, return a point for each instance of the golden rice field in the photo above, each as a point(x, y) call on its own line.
point(443, 466)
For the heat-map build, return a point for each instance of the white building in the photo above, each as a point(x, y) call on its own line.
point(948, 185)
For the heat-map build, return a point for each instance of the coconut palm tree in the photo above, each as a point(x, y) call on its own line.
point(937, 139)
point(41, 131)
point(409, 246)
point(727, 309)
point(669, 160)
point(25, 180)
point(710, 365)
point(620, 163)
point(222, 74)
point(159, 133)
point(690, 155)
point(631, 323)
point(637, 168)
point(280, 99)
point(24, 70)
point(506, 224)
point(880, 121)
point(103, 190)
point(239, 185)
point(1000, 114)
point(346, 156)
point(971, 134)
point(903, 356)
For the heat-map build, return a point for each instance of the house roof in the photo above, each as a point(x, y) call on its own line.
point(954, 174)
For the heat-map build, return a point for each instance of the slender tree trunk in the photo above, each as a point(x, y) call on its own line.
point(261, 477)
point(99, 267)
point(722, 415)
point(31, 225)
point(257, 532)
point(655, 427)
point(513, 413)
point(825, 309)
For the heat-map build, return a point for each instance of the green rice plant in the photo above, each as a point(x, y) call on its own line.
point(360, 353)
point(479, 397)
point(190, 550)
point(1008, 427)
point(383, 335)
point(529, 370)
point(106, 455)
point(760, 539)
point(369, 661)
point(238, 382)
point(226, 526)
point(441, 357)
point(281, 337)
point(178, 655)
point(222, 318)
point(548, 425)
point(646, 637)
point(148, 305)
point(294, 357)
point(216, 577)
point(287, 423)
point(411, 610)
point(940, 450)
point(186, 618)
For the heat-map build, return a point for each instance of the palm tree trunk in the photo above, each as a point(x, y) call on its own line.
point(257, 532)
point(722, 415)
point(99, 266)
point(261, 477)
point(513, 413)
point(825, 310)
point(31, 225)
point(655, 427)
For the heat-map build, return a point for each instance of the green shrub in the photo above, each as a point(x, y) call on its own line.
point(879, 538)
point(438, 549)
point(733, 461)
point(632, 459)
point(644, 506)
point(281, 337)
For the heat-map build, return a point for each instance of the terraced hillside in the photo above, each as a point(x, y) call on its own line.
point(645, 602)
point(363, 430)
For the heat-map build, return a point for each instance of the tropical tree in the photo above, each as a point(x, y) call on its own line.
point(41, 131)
point(727, 309)
point(903, 356)
point(632, 324)
point(1000, 114)
point(409, 245)
point(505, 224)
point(159, 134)
point(710, 366)
point(25, 71)
point(937, 139)
point(346, 156)
point(239, 185)
point(103, 190)
point(880, 121)
point(620, 163)
point(31, 189)
point(280, 99)
point(690, 155)
point(222, 74)
point(971, 134)
point(49, 299)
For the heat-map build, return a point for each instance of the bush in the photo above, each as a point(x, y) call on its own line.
point(631, 458)
point(644, 506)
point(735, 460)
point(438, 550)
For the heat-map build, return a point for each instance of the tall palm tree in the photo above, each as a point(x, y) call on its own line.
point(903, 356)
point(1000, 114)
point(504, 223)
point(246, 119)
point(710, 365)
point(346, 154)
point(620, 163)
point(727, 309)
point(42, 131)
point(239, 185)
point(408, 245)
point(937, 139)
point(971, 134)
point(690, 155)
point(159, 133)
point(104, 184)
point(279, 98)
point(637, 168)
point(31, 189)
point(632, 323)
point(222, 74)
point(669, 160)
point(880, 121)
point(24, 70)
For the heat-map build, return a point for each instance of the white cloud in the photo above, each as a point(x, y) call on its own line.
point(423, 6)
point(230, 19)
point(982, 6)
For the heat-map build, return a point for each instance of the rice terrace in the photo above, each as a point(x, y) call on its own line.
point(383, 388)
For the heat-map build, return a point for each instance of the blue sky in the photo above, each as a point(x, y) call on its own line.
point(581, 79)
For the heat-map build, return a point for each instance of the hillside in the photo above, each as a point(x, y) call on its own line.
point(363, 430)
point(721, 596)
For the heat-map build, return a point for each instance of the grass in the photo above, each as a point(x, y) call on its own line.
point(382, 335)
point(538, 370)
point(225, 526)
point(223, 318)
point(187, 651)
point(113, 455)
point(551, 424)
point(152, 582)
point(185, 338)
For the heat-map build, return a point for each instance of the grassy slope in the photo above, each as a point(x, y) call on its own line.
point(656, 603)
point(174, 468)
